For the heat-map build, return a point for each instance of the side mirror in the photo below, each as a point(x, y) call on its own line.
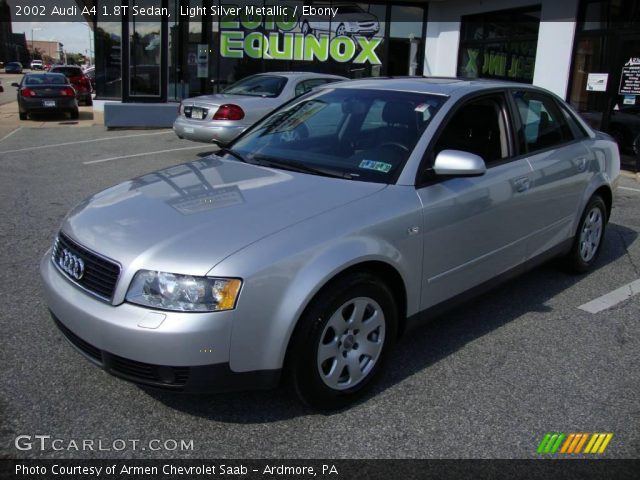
point(458, 163)
point(14, 84)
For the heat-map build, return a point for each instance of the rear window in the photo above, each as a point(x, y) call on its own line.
point(67, 71)
point(45, 80)
point(258, 86)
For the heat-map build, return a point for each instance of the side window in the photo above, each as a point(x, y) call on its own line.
point(477, 127)
point(577, 130)
point(543, 125)
point(308, 85)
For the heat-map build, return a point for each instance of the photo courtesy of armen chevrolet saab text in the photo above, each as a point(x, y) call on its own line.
point(298, 253)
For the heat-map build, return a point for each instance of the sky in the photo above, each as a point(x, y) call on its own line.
point(73, 35)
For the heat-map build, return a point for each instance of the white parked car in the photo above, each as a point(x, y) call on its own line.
point(37, 65)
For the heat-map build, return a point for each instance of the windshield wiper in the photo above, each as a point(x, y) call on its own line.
point(300, 167)
point(233, 153)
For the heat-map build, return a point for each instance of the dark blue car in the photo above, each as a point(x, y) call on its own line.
point(13, 67)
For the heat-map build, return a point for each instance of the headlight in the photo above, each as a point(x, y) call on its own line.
point(184, 293)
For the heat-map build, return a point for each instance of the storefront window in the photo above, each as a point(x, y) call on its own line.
point(108, 39)
point(405, 42)
point(500, 45)
point(604, 85)
point(145, 46)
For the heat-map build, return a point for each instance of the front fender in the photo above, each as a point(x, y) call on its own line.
point(284, 272)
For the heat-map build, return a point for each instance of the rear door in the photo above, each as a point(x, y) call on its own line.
point(550, 140)
point(474, 227)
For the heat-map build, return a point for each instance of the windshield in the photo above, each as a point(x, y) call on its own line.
point(68, 71)
point(363, 134)
point(258, 86)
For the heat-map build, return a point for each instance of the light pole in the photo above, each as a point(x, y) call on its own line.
point(33, 46)
point(90, 42)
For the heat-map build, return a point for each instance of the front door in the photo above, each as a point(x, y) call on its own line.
point(474, 226)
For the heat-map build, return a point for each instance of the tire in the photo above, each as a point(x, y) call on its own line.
point(589, 235)
point(75, 114)
point(332, 361)
point(341, 30)
point(22, 115)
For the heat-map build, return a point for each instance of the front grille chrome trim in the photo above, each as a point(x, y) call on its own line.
point(75, 245)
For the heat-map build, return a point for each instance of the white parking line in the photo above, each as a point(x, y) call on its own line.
point(632, 189)
point(104, 139)
point(7, 136)
point(203, 146)
point(612, 298)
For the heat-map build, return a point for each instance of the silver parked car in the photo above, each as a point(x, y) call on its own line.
point(325, 231)
point(222, 117)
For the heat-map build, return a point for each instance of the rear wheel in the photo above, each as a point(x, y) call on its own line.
point(75, 114)
point(22, 115)
point(589, 236)
point(342, 341)
point(89, 101)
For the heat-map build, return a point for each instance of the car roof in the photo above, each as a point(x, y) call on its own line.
point(433, 85)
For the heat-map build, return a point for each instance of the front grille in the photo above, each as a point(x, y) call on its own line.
point(189, 110)
point(158, 376)
point(100, 275)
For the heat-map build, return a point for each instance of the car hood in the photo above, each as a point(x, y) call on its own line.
point(187, 218)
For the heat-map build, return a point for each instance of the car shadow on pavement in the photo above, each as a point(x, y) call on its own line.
point(59, 117)
point(425, 346)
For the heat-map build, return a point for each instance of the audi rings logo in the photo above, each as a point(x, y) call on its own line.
point(71, 264)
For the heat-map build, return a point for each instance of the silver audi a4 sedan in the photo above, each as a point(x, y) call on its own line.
point(303, 250)
point(222, 117)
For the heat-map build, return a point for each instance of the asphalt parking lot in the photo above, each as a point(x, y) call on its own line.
point(487, 380)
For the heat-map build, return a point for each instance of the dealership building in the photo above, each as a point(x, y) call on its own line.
point(578, 49)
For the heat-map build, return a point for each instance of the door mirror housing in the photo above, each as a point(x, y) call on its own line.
point(14, 84)
point(459, 164)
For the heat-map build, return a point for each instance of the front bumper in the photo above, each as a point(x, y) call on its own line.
point(186, 352)
point(207, 131)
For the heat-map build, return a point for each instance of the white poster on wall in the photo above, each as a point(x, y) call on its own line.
point(597, 82)
point(203, 60)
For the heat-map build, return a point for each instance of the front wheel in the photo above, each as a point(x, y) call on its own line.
point(588, 240)
point(342, 341)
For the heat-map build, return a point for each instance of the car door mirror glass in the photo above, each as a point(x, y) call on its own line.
point(458, 163)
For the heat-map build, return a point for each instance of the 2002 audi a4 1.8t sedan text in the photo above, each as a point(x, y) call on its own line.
point(326, 230)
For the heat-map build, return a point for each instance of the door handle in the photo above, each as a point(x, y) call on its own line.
point(581, 164)
point(522, 184)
